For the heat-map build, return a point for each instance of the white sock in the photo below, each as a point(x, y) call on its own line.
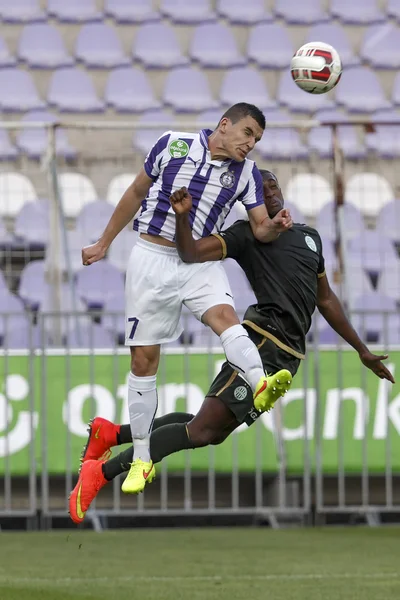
point(242, 354)
point(142, 404)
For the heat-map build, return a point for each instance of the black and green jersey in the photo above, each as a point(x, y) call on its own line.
point(284, 275)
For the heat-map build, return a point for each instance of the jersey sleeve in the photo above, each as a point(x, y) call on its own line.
point(252, 194)
point(233, 239)
point(153, 160)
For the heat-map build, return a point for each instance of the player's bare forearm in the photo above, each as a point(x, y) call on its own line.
point(332, 311)
point(265, 229)
point(190, 250)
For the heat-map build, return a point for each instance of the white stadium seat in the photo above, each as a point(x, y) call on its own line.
point(15, 191)
point(369, 192)
point(76, 191)
point(117, 186)
point(309, 192)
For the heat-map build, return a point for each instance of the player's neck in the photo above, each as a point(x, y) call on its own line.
point(215, 147)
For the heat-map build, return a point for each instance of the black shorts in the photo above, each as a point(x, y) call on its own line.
point(236, 393)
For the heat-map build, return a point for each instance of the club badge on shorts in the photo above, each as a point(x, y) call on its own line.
point(240, 392)
point(227, 179)
point(310, 243)
point(178, 149)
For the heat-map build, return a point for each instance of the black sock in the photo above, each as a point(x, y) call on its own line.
point(166, 440)
point(125, 435)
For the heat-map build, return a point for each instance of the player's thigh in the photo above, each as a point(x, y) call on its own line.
point(204, 286)
point(152, 302)
point(209, 424)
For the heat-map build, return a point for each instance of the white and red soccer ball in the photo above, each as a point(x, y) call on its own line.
point(316, 67)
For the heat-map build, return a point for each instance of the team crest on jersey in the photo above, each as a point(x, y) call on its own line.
point(178, 149)
point(310, 243)
point(240, 392)
point(227, 179)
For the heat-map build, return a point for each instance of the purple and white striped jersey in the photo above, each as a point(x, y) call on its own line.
point(183, 159)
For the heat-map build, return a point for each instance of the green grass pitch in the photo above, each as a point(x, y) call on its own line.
point(202, 564)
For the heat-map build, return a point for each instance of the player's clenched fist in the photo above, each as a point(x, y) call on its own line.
point(93, 253)
point(283, 220)
point(181, 201)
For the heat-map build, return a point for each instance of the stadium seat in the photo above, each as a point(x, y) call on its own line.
point(209, 119)
point(360, 91)
point(214, 45)
point(372, 250)
point(3, 285)
point(325, 221)
point(6, 239)
point(359, 283)
point(129, 90)
point(242, 293)
point(334, 34)
point(369, 192)
point(101, 282)
point(23, 11)
point(6, 60)
point(290, 95)
point(388, 221)
point(385, 139)
point(131, 11)
point(281, 143)
point(269, 45)
point(93, 219)
point(76, 190)
point(7, 150)
point(72, 90)
point(396, 90)
point(98, 45)
point(117, 186)
point(350, 13)
point(309, 192)
point(393, 9)
point(74, 11)
point(380, 45)
point(144, 139)
point(32, 224)
point(320, 139)
point(32, 283)
point(301, 13)
point(181, 11)
point(35, 142)
point(71, 251)
point(25, 336)
point(12, 313)
point(244, 84)
point(121, 248)
point(41, 46)
point(65, 319)
point(91, 336)
point(17, 91)
point(237, 12)
point(374, 315)
point(113, 319)
point(389, 282)
point(15, 191)
point(156, 46)
point(188, 90)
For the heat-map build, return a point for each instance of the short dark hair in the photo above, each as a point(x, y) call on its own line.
point(265, 174)
point(241, 110)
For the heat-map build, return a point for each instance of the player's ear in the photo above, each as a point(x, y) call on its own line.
point(223, 124)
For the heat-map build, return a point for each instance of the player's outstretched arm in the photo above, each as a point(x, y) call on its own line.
point(190, 250)
point(331, 309)
point(124, 212)
point(266, 229)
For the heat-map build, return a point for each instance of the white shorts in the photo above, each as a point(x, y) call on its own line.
point(158, 283)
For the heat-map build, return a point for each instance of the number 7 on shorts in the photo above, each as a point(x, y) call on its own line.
point(135, 323)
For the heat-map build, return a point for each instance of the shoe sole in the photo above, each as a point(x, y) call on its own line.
point(280, 383)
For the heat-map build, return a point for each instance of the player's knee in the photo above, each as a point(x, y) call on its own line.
point(200, 436)
point(220, 318)
point(144, 364)
point(218, 439)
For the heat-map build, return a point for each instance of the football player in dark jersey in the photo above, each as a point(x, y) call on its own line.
point(289, 280)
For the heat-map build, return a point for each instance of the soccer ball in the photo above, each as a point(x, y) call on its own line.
point(316, 67)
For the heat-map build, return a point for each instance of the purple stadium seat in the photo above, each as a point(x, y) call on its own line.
point(74, 11)
point(393, 8)
point(113, 319)
point(320, 139)
point(131, 11)
point(6, 239)
point(237, 12)
point(334, 34)
point(209, 119)
point(22, 11)
point(3, 285)
point(91, 336)
point(294, 12)
point(71, 258)
point(34, 142)
point(69, 303)
point(359, 283)
point(182, 11)
point(7, 150)
point(350, 13)
point(93, 218)
point(360, 91)
point(17, 91)
point(281, 143)
point(385, 139)
point(144, 139)
point(6, 60)
point(32, 283)
point(388, 221)
point(325, 221)
point(244, 84)
point(25, 336)
point(396, 91)
point(42, 46)
point(72, 90)
point(188, 90)
point(372, 250)
point(33, 223)
point(156, 46)
point(380, 46)
point(269, 45)
point(129, 90)
point(214, 45)
point(242, 292)
point(98, 45)
point(290, 95)
point(99, 283)
point(12, 313)
point(121, 248)
point(374, 315)
point(389, 282)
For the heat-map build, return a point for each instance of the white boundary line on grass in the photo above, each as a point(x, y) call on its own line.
point(270, 577)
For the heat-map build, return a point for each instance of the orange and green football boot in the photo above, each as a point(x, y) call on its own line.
point(90, 482)
point(102, 437)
